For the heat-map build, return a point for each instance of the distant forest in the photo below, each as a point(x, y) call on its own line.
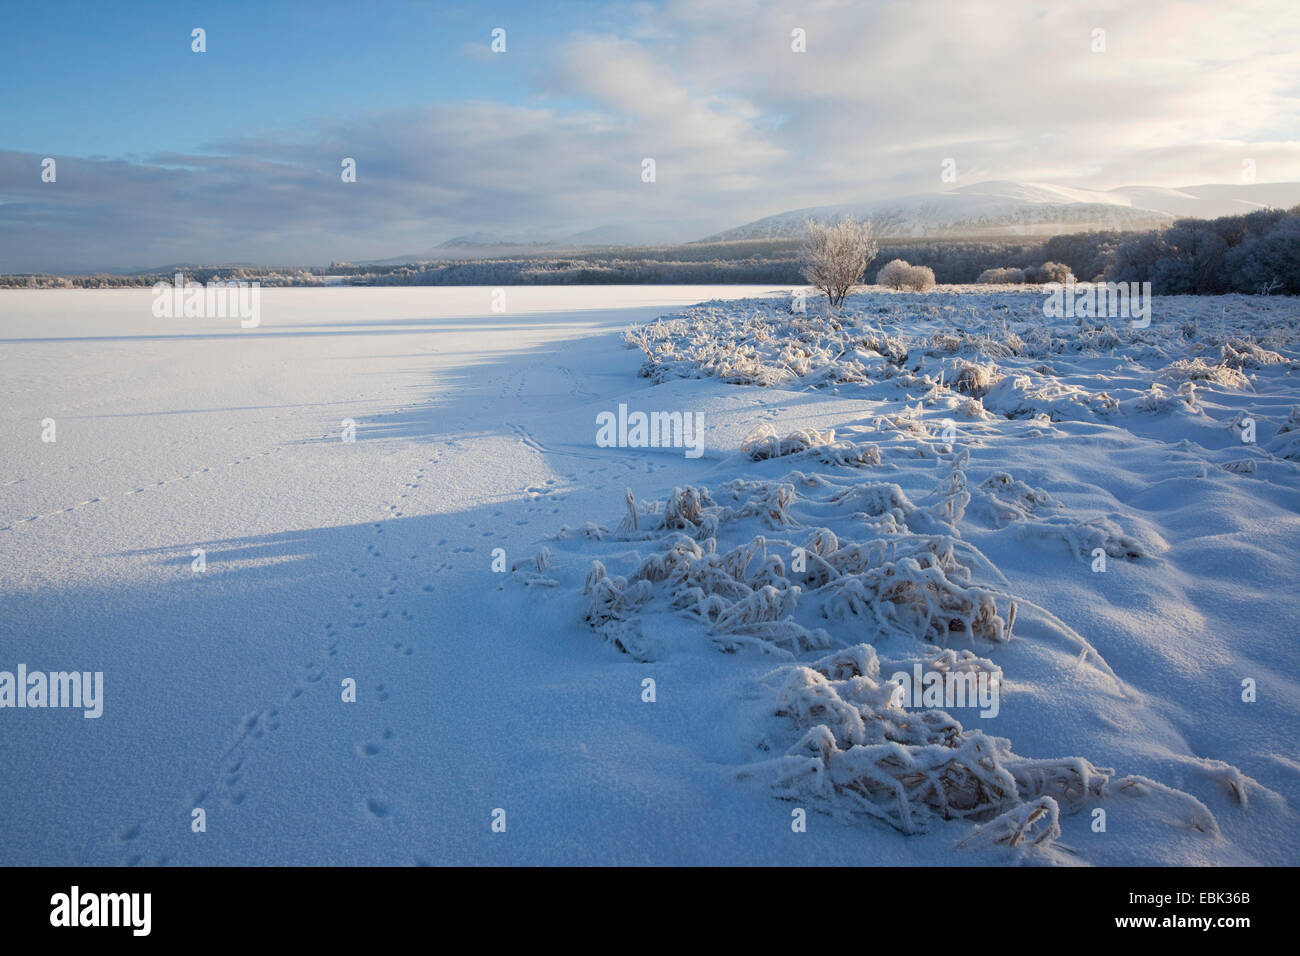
point(1257, 253)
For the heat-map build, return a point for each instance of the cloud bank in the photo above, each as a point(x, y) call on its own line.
point(738, 124)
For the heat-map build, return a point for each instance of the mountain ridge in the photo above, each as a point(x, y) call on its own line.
point(1002, 207)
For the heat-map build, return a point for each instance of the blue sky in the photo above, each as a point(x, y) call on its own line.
point(96, 78)
point(233, 155)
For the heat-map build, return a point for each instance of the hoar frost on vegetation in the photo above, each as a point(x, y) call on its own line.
point(720, 561)
point(980, 354)
point(818, 568)
point(860, 753)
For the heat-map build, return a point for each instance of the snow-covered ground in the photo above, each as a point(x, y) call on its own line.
point(981, 456)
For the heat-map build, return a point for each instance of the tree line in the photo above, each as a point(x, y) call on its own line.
point(1255, 253)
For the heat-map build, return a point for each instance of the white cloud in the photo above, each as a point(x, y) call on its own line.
point(739, 125)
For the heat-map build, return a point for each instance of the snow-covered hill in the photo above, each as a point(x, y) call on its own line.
point(480, 244)
point(1001, 208)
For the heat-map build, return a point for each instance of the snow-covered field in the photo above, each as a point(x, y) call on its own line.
point(1075, 512)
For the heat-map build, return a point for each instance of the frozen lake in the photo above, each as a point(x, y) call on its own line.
point(324, 560)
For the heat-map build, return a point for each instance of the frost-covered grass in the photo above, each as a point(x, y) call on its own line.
point(999, 348)
point(890, 535)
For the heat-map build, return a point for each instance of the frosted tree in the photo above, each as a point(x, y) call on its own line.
point(834, 257)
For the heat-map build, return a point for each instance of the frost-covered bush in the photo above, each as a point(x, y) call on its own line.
point(973, 380)
point(834, 257)
point(898, 274)
point(920, 279)
point(1002, 276)
point(1035, 275)
point(1049, 272)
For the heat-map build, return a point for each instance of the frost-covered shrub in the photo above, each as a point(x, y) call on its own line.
point(1049, 272)
point(834, 257)
point(898, 274)
point(973, 380)
point(921, 279)
point(942, 342)
point(1036, 275)
point(1002, 276)
point(893, 275)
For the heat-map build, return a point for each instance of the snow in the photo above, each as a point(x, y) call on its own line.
point(948, 466)
point(1016, 209)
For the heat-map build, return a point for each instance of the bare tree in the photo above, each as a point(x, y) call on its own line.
point(834, 257)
